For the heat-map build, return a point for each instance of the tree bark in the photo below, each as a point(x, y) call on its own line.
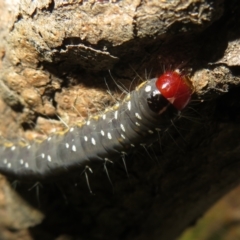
point(54, 65)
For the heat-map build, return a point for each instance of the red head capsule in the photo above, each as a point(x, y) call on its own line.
point(175, 88)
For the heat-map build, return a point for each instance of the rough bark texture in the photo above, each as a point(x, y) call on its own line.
point(55, 56)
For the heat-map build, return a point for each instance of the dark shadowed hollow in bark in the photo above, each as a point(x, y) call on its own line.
point(62, 61)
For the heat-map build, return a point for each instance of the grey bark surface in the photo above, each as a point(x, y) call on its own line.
point(54, 59)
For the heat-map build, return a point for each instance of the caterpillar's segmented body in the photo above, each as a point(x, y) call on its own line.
point(134, 121)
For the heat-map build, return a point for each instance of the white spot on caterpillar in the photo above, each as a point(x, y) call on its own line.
point(129, 106)
point(150, 131)
point(5, 161)
point(93, 141)
point(132, 145)
point(9, 165)
point(138, 124)
point(158, 129)
point(122, 127)
point(74, 148)
point(21, 161)
point(29, 146)
point(116, 115)
point(123, 136)
point(13, 148)
point(102, 132)
point(138, 116)
point(43, 155)
point(148, 88)
point(88, 122)
point(71, 129)
point(104, 116)
point(85, 138)
point(49, 139)
point(109, 136)
point(49, 158)
point(26, 165)
point(67, 145)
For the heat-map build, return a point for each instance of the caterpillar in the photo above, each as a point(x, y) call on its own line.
point(135, 121)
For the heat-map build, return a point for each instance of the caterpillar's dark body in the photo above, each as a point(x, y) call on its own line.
point(113, 133)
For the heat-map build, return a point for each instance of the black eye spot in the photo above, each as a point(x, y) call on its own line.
point(156, 101)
